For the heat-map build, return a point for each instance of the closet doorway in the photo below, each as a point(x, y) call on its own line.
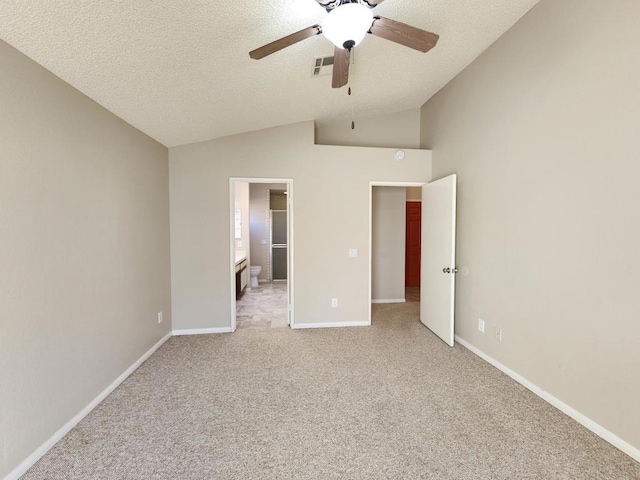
point(437, 253)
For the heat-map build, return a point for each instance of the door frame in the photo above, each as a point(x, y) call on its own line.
point(290, 238)
point(380, 184)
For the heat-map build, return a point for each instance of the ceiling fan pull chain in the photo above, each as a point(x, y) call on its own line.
point(352, 58)
point(353, 113)
point(353, 123)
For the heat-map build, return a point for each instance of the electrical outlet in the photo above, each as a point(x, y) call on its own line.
point(159, 317)
point(481, 325)
point(499, 334)
point(334, 302)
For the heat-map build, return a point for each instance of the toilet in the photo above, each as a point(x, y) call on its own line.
point(254, 271)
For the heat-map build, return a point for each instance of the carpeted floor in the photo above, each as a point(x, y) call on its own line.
point(389, 401)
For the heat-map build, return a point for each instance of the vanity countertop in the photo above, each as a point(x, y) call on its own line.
point(240, 256)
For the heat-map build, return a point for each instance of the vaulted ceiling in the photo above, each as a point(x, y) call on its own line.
point(179, 70)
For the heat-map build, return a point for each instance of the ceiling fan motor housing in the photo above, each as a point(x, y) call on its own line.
point(347, 24)
point(332, 4)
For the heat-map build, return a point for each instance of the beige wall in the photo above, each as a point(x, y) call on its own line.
point(396, 130)
point(259, 203)
point(277, 201)
point(388, 243)
point(84, 252)
point(414, 194)
point(326, 226)
point(542, 130)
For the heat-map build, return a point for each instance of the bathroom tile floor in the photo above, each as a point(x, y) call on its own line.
point(263, 307)
point(266, 306)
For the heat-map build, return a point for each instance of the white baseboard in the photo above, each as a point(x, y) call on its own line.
point(596, 428)
point(46, 446)
point(299, 326)
point(389, 300)
point(202, 331)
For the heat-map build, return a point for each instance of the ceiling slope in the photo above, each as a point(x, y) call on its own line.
point(180, 70)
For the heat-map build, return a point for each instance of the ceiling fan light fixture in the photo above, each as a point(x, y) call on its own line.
point(345, 26)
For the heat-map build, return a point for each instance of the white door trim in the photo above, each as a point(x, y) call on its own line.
point(290, 247)
point(381, 184)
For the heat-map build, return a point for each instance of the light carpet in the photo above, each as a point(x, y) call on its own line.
point(388, 401)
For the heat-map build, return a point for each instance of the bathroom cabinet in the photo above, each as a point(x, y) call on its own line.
point(242, 277)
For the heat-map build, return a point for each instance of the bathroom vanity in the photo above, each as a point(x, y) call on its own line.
point(242, 274)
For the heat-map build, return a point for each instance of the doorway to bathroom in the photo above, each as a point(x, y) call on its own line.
point(261, 238)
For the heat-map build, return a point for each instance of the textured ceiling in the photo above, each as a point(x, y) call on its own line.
point(179, 70)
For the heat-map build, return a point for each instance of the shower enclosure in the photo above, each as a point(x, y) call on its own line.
point(278, 245)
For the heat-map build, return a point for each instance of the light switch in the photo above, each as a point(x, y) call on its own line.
point(353, 252)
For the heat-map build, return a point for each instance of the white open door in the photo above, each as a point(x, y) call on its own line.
point(437, 269)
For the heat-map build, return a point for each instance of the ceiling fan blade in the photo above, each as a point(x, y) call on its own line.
point(284, 42)
point(341, 58)
point(403, 34)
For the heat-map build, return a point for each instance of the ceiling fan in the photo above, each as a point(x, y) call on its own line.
point(345, 26)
